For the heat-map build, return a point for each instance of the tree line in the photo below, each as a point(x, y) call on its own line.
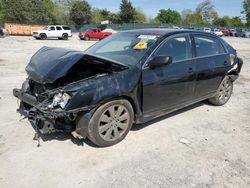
point(80, 12)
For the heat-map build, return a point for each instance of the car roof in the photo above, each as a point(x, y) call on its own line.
point(163, 31)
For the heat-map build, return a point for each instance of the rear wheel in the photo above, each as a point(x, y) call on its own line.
point(111, 123)
point(224, 92)
point(43, 36)
point(65, 36)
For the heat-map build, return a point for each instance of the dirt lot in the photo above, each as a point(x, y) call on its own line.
point(199, 146)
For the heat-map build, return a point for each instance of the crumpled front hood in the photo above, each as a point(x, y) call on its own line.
point(48, 64)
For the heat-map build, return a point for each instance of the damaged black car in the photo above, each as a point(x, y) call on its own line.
point(128, 78)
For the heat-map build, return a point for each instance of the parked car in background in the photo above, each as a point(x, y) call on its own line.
point(247, 33)
point(217, 32)
point(130, 77)
point(225, 31)
point(1, 32)
point(232, 32)
point(207, 30)
point(4, 32)
point(53, 31)
point(95, 33)
point(242, 33)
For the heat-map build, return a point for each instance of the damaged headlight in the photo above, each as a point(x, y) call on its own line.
point(60, 99)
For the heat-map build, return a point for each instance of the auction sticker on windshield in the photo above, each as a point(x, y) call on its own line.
point(149, 37)
point(141, 46)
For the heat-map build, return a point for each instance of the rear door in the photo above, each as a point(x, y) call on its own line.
point(166, 87)
point(211, 65)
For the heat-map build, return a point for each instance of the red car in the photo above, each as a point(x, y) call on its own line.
point(225, 31)
point(93, 34)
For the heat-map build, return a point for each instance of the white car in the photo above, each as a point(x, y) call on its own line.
point(217, 32)
point(207, 30)
point(53, 31)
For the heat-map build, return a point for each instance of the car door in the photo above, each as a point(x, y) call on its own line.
point(94, 34)
point(211, 65)
point(52, 31)
point(168, 86)
point(59, 31)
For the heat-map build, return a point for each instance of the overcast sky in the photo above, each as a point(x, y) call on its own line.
point(151, 7)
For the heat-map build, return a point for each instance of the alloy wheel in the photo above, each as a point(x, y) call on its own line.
point(113, 122)
point(225, 91)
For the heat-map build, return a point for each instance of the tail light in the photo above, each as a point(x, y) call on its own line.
point(232, 59)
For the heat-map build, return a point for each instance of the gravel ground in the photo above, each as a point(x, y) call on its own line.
point(199, 146)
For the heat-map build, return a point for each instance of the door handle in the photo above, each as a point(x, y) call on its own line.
point(190, 70)
point(225, 63)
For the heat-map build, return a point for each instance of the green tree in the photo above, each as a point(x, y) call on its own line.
point(169, 16)
point(127, 12)
point(80, 12)
point(114, 18)
point(246, 6)
point(1, 12)
point(139, 16)
point(191, 18)
point(27, 11)
point(207, 11)
point(236, 22)
point(100, 15)
point(221, 22)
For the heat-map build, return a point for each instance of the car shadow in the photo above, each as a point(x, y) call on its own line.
point(63, 136)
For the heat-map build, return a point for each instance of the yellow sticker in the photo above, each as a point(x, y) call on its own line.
point(141, 46)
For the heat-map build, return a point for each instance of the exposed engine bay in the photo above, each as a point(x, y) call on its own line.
point(43, 96)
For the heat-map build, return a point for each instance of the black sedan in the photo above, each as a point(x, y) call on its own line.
point(128, 78)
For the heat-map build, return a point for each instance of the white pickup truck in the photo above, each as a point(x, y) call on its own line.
point(53, 31)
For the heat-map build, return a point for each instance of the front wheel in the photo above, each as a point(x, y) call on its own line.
point(111, 123)
point(224, 92)
point(43, 36)
point(86, 37)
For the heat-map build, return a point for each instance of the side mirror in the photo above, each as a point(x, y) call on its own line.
point(159, 61)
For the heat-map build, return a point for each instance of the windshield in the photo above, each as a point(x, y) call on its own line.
point(45, 28)
point(124, 48)
point(90, 30)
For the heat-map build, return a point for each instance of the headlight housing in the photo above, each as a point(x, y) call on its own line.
point(60, 99)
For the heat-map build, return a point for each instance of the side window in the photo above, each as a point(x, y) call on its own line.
point(52, 28)
point(66, 28)
point(207, 46)
point(58, 28)
point(179, 48)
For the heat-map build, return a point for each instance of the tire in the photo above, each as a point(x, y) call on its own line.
point(106, 128)
point(86, 37)
point(223, 93)
point(65, 36)
point(43, 36)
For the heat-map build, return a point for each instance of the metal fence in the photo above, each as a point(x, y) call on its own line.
point(120, 27)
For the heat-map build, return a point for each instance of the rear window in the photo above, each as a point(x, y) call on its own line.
point(66, 28)
point(208, 46)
